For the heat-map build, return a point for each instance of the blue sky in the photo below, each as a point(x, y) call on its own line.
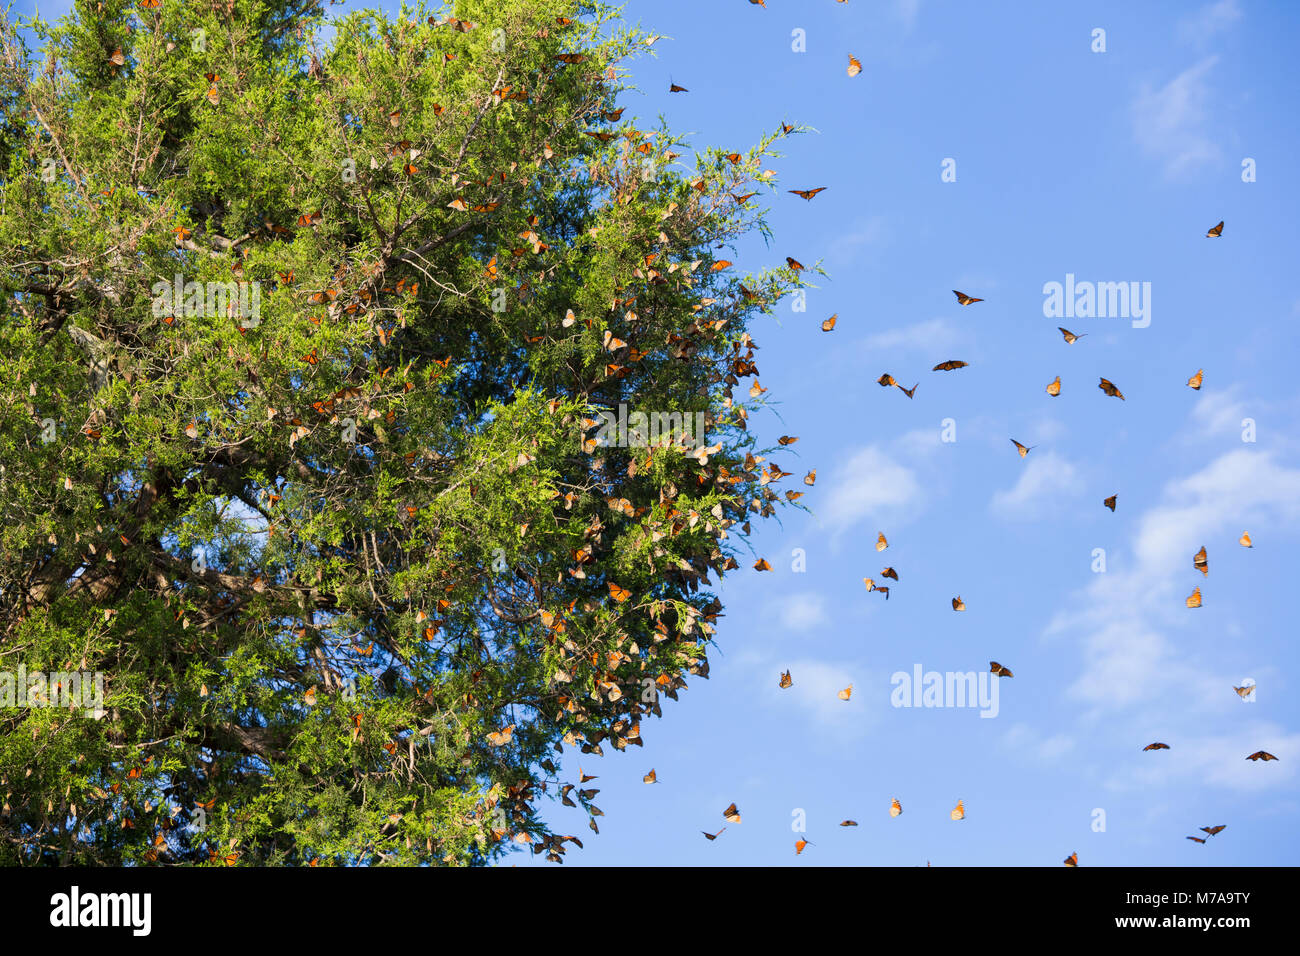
point(1108, 166)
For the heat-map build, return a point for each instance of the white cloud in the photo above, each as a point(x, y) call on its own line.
point(801, 611)
point(871, 485)
point(1044, 482)
point(1209, 20)
point(1027, 741)
point(923, 335)
point(1170, 124)
point(1123, 617)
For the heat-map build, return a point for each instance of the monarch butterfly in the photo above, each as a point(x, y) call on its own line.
point(1109, 387)
point(720, 265)
point(886, 380)
point(1261, 755)
point(619, 594)
point(491, 271)
point(762, 565)
point(310, 358)
point(285, 277)
point(501, 738)
point(713, 836)
point(949, 365)
point(1194, 599)
point(1195, 381)
point(895, 808)
point(650, 777)
point(309, 696)
point(785, 681)
point(807, 194)
point(150, 4)
point(1197, 839)
point(458, 204)
point(1054, 387)
point(571, 58)
point(1022, 449)
point(1110, 502)
point(965, 299)
point(909, 392)
point(213, 95)
point(854, 67)
point(116, 58)
point(1155, 746)
point(731, 814)
point(881, 542)
point(889, 573)
point(996, 668)
point(787, 440)
point(958, 604)
point(848, 823)
point(1070, 337)
point(1072, 859)
point(1216, 232)
point(1213, 830)
point(1244, 540)
point(1201, 563)
point(1244, 692)
point(829, 324)
point(799, 845)
point(846, 693)
point(794, 264)
point(674, 88)
point(810, 478)
point(958, 812)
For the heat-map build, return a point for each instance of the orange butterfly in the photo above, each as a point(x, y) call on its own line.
point(996, 668)
point(846, 693)
point(310, 358)
point(1261, 755)
point(1216, 232)
point(1110, 502)
point(1156, 746)
point(855, 65)
point(949, 365)
point(1070, 337)
point(958, 604)
point(965, 299)
point(731, 814)
point(762, 565)
point(1201, 562)
point(619, 594)
point(785, 681)
point(1110, 389)
point(1054, 387)
point(1194, 599)
point(807, 194)
point(1195, 381)
point(1022, 449)
point(829, 324)
point(1072, 859)
point(895, 808)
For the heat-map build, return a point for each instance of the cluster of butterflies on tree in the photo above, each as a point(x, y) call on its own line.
point(1053, 389)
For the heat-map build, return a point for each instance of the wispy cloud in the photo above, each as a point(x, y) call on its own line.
point(1044, 481)
point(1170, 124)
point(1202, 25)
point(922, 335)
point(871, 485)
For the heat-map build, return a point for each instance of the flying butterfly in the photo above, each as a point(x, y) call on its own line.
point(889, 573)
point(1195, 381)
point(619, 594)
point(1261, 755)
point(895, 808)
point(785, 680)
point(1109, 387)
point(1070, 337)
point(855, 66)
point(1197, 839)
point(1054, 387)
point(958, 812)
point(848, 823)
point(799, 845)
point(1072, 859)
point(846, 693)
point(1213, 830)
point(996, 668)
point(1110, 502)
point(1022, 449)
point(713, 836)
point(650, 777)
point(1244, 540)
point(1194, 599)
point(1244, 692)
point(949, 365)
point(1216, 232)
point(958, 604)
point(731, 814)
point(762, 565)
point(1201, 562)
point(965, 299)
point(807, 194)
point(881, 542)
point(1155, 746)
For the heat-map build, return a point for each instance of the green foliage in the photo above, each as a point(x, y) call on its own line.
point(354, 567)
